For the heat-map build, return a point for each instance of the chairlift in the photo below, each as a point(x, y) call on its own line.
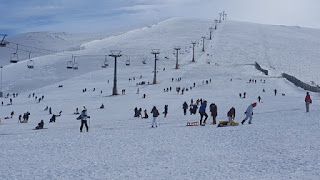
point(70, 63)
point(14, 56)
point(3, 42)
point(30, 64)
point(128, 61)
point(105, 63)
point(144, 61)
point(75, 64)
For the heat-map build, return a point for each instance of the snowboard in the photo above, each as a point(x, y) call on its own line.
point(39, 129)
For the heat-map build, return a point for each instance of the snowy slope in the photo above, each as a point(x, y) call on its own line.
point(282, 142)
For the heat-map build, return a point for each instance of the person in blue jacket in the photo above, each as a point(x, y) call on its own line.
point(202, 111)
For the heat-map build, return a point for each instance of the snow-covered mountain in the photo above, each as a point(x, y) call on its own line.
point(282, 142)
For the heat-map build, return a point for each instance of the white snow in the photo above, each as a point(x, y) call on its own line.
point(282, 142)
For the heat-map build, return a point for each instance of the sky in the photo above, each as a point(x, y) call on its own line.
point(21, 16)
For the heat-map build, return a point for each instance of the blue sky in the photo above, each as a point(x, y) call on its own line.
point(20, 16)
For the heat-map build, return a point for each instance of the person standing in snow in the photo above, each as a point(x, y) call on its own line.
point(155, 113)
point(165, 110)
point(83, 117)
point(308, 101)
point(214, 112)
point(231, 114)
point(202, 111)
point(249, 113)
point(185, 107)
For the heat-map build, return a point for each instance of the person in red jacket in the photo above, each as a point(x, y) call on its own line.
point(308, 101)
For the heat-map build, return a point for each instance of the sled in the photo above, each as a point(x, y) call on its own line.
point(192, 123)
point(225, 123)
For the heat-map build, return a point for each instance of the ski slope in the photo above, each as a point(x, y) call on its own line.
point(282, 142)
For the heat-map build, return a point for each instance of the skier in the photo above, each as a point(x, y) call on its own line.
point(50, 111)
point(83, 117)
point(259, 99)
point(185, 107)
point(275, 92)
point(214, 112)
point(165, 111)
point(249, 113)
point(40, 125)
point(231, 114)
point(155, 113)
point(202, 111)
point(308, 101)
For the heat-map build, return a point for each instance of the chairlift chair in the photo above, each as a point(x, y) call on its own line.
point(3, 42)
point(75, 66)
point(128, 62)
point(144, 61)
point(105, 63)
point(30, 64)
point(69, 65)
point(14, 58)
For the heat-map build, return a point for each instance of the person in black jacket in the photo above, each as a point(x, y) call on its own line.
point(40, 125)
point(185, 107)
point(155, 113)
point(214, 112)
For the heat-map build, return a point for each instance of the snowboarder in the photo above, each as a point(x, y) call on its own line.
point(202, 111)
point(308, 101)
point(249, 113)
point(185, 107)
point(102, 106)
point(155, 113)
point(83, 117)
point(40, 125)
point(139, 112)
point(214, 112)
point(244, 95)
point(165, 111)
point(231, 114)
